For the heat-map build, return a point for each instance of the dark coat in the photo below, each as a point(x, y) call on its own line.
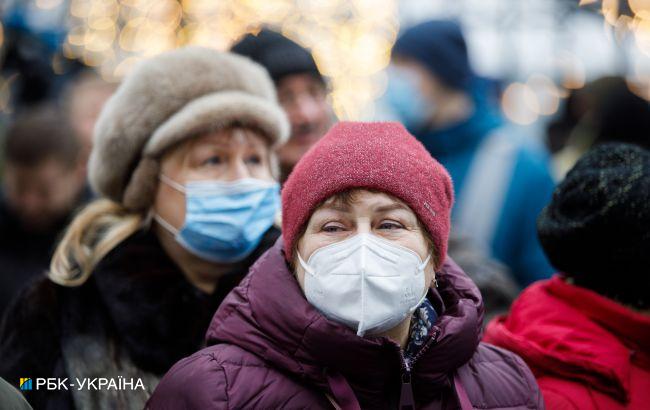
point(135, 316)
point(269, 349)
point(25, 255)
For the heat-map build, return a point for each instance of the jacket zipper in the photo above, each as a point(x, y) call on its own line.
point(407, 400)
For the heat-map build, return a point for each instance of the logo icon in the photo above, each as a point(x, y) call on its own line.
point(25, 383)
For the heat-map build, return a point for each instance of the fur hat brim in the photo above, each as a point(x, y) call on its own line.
point(207, 113)
point(217, 111)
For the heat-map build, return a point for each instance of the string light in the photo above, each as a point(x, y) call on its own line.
point(350, 39)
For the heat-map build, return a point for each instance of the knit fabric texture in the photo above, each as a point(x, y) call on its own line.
point(278, 54)
point(380, 156)
point(597, 227)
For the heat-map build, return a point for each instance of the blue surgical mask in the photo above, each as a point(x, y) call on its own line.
point(406, 100)
point(224, 221)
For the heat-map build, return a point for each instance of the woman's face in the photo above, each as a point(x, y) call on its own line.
point(224, 155)
point(365, 212)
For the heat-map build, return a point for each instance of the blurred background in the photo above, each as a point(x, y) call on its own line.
point(540, 51)
point(567, 74)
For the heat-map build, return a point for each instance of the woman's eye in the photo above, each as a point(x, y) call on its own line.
point(254, 159)
point(214, 160)
point(332, 228)
point(390, 225)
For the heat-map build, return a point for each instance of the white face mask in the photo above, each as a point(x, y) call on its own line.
point(365, 282)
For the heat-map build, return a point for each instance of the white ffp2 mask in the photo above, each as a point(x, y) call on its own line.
point(365, 282)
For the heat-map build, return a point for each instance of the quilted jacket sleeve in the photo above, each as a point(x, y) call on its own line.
point(196, 382)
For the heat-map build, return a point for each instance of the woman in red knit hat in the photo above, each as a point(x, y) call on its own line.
point(358, 306)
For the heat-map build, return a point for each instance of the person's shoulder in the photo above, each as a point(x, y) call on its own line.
point(227, 376)
point(36, 301)
point(503, 373)
point(11, 398)
point(202, 380)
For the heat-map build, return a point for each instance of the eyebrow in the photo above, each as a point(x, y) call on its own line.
point(392, 207)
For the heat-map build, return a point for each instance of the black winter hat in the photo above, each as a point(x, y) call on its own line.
point(279, 55)
point(440, 46)
point(596, 229)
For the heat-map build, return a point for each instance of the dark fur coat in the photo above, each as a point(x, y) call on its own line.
point(135, 317)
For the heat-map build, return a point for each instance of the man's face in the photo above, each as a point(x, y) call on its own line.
point(40, 195)
point(86, 103)
point(304, 99)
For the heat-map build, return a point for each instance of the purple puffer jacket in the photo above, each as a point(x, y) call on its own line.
point(268, 348)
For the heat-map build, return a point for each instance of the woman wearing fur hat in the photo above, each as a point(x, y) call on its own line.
point(357, 306)
point(183, 163)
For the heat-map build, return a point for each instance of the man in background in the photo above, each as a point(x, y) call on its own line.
point(501, 179)
point(301, 88)
point(83, 100)
point(43, 183)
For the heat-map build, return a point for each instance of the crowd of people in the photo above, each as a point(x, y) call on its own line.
point(210, 229)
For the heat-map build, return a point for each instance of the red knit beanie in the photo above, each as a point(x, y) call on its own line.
point(381, 156)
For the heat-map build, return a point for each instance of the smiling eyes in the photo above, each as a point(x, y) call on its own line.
point(385, 225)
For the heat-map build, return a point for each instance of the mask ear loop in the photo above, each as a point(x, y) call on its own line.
point(153, 215)
point(171, 183)
point(165, 224)
point(304, 265)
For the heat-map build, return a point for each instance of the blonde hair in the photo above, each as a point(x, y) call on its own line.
point(94, 232)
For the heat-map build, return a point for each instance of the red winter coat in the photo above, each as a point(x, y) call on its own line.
point(587, 351)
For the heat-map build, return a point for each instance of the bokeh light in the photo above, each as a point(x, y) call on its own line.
point(350, 40)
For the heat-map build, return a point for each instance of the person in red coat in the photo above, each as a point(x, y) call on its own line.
point(585, 333)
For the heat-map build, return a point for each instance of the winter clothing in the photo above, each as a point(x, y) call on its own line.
point(587, 351)
point(606, 195)
point(492, 168)
point(269, 348)
point(134, 317)
point(420, 328)
point(381, 156)
point(25, 255)
point(492, 278)
point(279, 55)
point(439, 46)
point(171, 97)
point(11, 398)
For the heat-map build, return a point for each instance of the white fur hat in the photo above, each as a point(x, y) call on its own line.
point(170, 97)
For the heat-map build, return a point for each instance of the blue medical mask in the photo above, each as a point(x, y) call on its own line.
point(224, 221)
point(406, 100)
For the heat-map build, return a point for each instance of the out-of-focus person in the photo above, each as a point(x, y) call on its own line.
point(43, 184)
point(357, 305)
point(613, 113)
point(502, 180)
point(83, 100)
point(585, 333)
point(183, 162)
point(301, 88)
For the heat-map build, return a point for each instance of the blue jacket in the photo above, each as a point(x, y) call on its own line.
point(514, 241)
